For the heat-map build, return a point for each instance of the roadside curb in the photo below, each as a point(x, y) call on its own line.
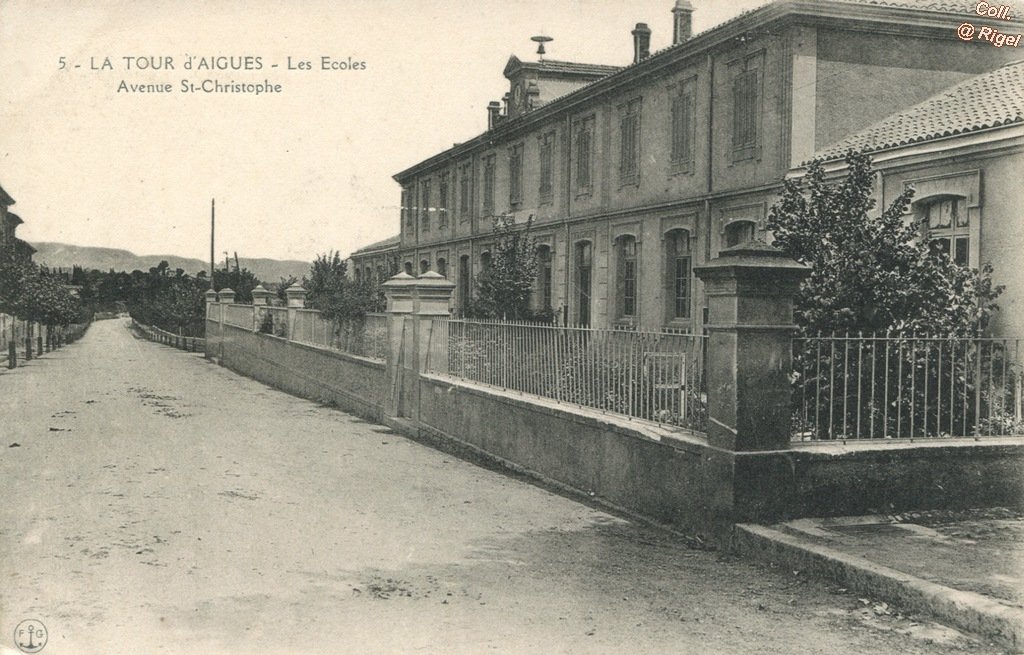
point(964, 609)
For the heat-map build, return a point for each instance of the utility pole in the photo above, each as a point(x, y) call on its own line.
point(212, 222)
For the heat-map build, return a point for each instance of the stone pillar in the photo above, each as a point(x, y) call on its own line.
point(432, 299)
point(296, 300)
point(226, 297)
point(260, 300)
point(211, 299)
point(399, 292)
point(261, 296)
point(750, 290)
point(211, 334)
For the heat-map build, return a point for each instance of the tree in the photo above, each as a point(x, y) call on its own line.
point(329, 289)
point(241, 281)
point(873, 272)
point(504, 287)
point(35, 294)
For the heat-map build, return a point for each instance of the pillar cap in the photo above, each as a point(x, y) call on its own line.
point(433, 280)
point(402, 279)
point(750, 255)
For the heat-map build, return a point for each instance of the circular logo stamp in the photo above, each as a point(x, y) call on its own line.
point(30, 636)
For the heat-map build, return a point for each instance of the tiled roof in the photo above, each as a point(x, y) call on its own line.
point(14, 219)
point(4, 198)
point(390, 242)
point(966, 7)
point(985, 101)
point(555, 66)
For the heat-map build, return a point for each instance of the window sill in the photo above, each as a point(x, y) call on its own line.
point(682, 168)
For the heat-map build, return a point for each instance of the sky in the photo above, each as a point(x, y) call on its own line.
point(295, 173)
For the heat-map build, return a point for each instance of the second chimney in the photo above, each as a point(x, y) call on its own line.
point(493, 114)
point(682, 21)
point(641, 42)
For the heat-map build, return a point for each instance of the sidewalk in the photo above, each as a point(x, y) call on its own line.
point(966, 567)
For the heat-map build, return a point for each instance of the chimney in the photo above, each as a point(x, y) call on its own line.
point(493, 114)
point(682, 21)
point(641, 42)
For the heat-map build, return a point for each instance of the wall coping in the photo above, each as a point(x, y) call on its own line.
point(642, 430)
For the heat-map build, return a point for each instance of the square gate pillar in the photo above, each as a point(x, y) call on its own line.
point(750, 290)
point(413, 304)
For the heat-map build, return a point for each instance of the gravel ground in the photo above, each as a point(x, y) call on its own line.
point(156, 503)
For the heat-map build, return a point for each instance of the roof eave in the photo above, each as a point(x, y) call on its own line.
point(945, 144)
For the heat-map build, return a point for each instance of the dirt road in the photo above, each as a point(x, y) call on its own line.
point(153, 502)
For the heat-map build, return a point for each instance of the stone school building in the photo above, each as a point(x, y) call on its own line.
point(634, 175)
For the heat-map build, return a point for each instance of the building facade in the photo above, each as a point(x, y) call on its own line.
point(635, 175)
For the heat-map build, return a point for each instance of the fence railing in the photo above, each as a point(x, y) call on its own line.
point(652, 376)
point(906, 387)
point(191, 344)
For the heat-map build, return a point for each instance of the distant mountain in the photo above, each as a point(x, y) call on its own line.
point(62, 255)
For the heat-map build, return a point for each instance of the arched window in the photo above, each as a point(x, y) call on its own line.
point(408, 268)
point(584, 261)
point(368, 274)
point(424, 266)
point(739, 232)
point(359, 275)
point(544, 276)
point(626, 276)
point(380, 273)
point(678, 271)
point(485, 260)
point(948, 227)
point(442, 266)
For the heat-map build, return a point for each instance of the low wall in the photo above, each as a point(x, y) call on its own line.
point(354, 384)
point(876, 478)
point(670, 479)
point(682, 482)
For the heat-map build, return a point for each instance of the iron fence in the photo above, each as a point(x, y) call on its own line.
point(897, 386)
point(652, 376)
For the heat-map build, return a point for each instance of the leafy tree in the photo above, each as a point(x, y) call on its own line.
point(36, 294)
point(873, 271)
point(241, 281)
point(329, 289)
point(503, 288)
